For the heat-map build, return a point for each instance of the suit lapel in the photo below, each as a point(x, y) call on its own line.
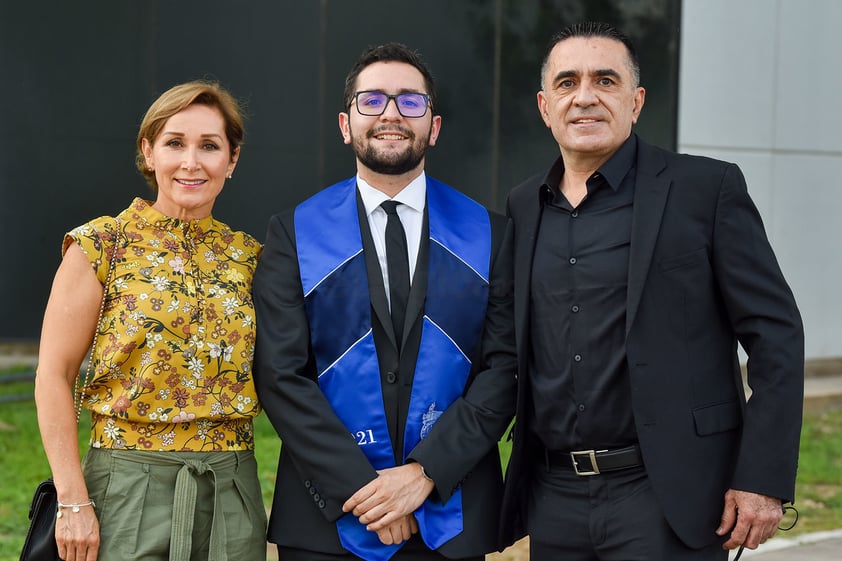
point(418, 289)
point(524, 254)
point(651, 189)
point(376, 289)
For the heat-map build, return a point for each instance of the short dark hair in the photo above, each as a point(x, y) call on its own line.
point(591, 29)
point(389, 52)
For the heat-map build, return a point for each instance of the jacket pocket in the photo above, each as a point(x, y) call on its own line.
point(719, 417)
point(684, 260)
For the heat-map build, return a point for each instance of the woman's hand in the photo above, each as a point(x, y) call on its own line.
point(77, 534)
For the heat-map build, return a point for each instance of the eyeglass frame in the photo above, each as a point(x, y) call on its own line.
point(428, 106)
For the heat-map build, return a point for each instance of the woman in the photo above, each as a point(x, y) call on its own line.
point(170, 391)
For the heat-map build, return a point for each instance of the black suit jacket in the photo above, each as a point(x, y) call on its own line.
point(321, 466)
point(702, 276)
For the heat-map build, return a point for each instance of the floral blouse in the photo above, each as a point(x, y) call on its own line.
point(172, 366)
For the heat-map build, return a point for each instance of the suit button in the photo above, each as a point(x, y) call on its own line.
point(391, 377)
point(312, 491)
point(577, 358)
point(307, 483)
point(317, 497)
point(321, 504)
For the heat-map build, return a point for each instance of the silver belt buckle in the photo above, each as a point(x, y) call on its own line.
point(591, 454)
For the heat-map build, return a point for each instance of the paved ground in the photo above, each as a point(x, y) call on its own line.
point(821, 546)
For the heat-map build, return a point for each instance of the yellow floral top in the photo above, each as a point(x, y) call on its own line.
point(172, 366)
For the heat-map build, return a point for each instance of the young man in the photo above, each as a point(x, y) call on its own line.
point(637, 272)
point(385, 353)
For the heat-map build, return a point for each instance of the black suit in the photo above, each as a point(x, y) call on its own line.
point(320, 466)
point(702, 276)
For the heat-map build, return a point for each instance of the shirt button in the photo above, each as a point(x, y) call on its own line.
point(391, 377)
point(572, 260)
point(577, 358)
point(574, 309)
point(581, 407)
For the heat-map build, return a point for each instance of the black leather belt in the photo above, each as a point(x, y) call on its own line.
point(594, 462)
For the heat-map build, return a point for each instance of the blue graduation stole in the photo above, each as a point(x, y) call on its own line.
point(337, 299)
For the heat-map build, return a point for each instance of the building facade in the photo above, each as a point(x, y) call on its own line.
point(750, 81)
point(760, 84)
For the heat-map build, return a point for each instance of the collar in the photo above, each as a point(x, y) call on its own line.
point(619, 164)
point(614, 170)
point(144, 212)
point(414, 195)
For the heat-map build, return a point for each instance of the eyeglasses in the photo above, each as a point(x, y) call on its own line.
point(373, 103)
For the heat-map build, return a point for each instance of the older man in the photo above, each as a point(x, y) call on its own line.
point(637, 273)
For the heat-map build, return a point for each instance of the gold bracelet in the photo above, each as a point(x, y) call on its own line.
point(74, 507)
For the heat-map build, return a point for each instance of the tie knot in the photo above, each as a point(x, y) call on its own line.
point(391, 207)
point(197, 466)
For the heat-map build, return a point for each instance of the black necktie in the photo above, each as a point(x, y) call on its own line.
point(397, 260)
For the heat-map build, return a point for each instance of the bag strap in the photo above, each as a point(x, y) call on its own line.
point(81, 384)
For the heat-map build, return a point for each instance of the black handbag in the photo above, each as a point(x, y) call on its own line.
point(40, 544)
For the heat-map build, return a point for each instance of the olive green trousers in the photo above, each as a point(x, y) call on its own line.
point(177, 506)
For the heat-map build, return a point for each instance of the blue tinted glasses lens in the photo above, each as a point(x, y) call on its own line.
point(412, 104)
point(409, 104)
point(372, 103)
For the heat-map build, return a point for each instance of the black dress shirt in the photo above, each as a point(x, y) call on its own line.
point(581, 398)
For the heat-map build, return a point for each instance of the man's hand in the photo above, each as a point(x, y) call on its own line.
point(395, 493)
point(399, 531)
point(751, 518)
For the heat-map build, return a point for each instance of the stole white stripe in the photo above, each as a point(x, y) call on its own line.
point(449, 338)
point(331, 272)
point(348, 350)
point(485, 280)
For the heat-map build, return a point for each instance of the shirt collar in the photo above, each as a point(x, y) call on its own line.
point(614, 170)
point(414, 195)
point(619, 164)
point(145, 212)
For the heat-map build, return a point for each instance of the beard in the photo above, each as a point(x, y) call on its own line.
point(391, 162)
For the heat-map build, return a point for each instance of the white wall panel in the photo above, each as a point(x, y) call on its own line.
point(760, 86)
point(727, 77)
point(808, 112)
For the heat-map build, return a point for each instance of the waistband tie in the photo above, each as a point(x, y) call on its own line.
point(184, 506)
point(184, 500)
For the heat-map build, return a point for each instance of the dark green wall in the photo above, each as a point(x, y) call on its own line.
point(77, 77)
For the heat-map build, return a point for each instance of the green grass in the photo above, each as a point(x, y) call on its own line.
point(23, 464)
point(818, 493)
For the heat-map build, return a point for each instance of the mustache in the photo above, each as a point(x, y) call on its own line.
point(391, 128)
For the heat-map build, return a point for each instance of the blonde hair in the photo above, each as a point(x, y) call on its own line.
point(177, 98)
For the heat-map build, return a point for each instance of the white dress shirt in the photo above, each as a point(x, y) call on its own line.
point(411, 212)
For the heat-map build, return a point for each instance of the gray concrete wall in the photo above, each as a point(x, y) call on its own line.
point(761, 85)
